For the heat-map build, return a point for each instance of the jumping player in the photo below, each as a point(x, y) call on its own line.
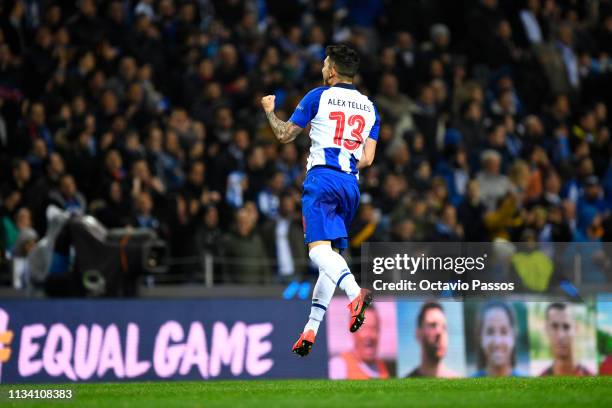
point(344, 130)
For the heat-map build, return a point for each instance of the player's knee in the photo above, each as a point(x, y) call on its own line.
point(317, 251)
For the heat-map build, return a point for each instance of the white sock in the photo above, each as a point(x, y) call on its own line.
point(321, 296)
point(333, 265)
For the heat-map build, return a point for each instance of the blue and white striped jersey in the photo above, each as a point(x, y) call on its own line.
point(342, 119)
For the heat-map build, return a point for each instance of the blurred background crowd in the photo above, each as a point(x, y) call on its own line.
point(494, 121)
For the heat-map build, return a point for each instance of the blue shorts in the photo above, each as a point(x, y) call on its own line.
point(329, 204)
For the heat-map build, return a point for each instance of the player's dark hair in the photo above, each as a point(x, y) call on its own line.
point(345, 59)
point(494, 304)
point(555, 306)
point(427, 306)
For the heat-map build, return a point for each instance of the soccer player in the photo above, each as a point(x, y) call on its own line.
point(344, 130)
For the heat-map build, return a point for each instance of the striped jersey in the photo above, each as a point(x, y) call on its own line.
point(341, 119)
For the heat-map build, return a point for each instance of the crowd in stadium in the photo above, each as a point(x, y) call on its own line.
point(494, 121)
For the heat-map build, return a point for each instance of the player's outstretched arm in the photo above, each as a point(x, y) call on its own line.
point(285, 132)
point(368, 154)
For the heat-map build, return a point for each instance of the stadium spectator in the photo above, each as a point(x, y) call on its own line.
point(209, 234)
point(113, 209)
point(493, 185)
point(365, 228)
point(447, 229)
point(534, 24)
point(12, 226)
point(245, 251)
point(533, 268)
point(471, 213)
point(143, 216)
point(67, 197)
point(284, 239)
point(268, 199)
point(394, 106)
point(587, 247)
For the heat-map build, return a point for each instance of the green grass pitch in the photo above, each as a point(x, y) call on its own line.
point(506, 392)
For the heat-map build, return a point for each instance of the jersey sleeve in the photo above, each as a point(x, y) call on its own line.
point(376, 126)
point(307, 108)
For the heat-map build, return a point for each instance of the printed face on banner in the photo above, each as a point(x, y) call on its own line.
point(368, 353)
point(496, 339)
point(562, 339)
point(430, 339)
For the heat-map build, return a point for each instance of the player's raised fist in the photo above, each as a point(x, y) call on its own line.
point(268, 103)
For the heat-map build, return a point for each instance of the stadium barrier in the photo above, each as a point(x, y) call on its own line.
point(115, 340)
point(57, 341)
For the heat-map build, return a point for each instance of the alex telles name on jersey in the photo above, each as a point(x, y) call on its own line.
point(348, 104)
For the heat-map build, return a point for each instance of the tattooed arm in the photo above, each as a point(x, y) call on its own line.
point(285, 132)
